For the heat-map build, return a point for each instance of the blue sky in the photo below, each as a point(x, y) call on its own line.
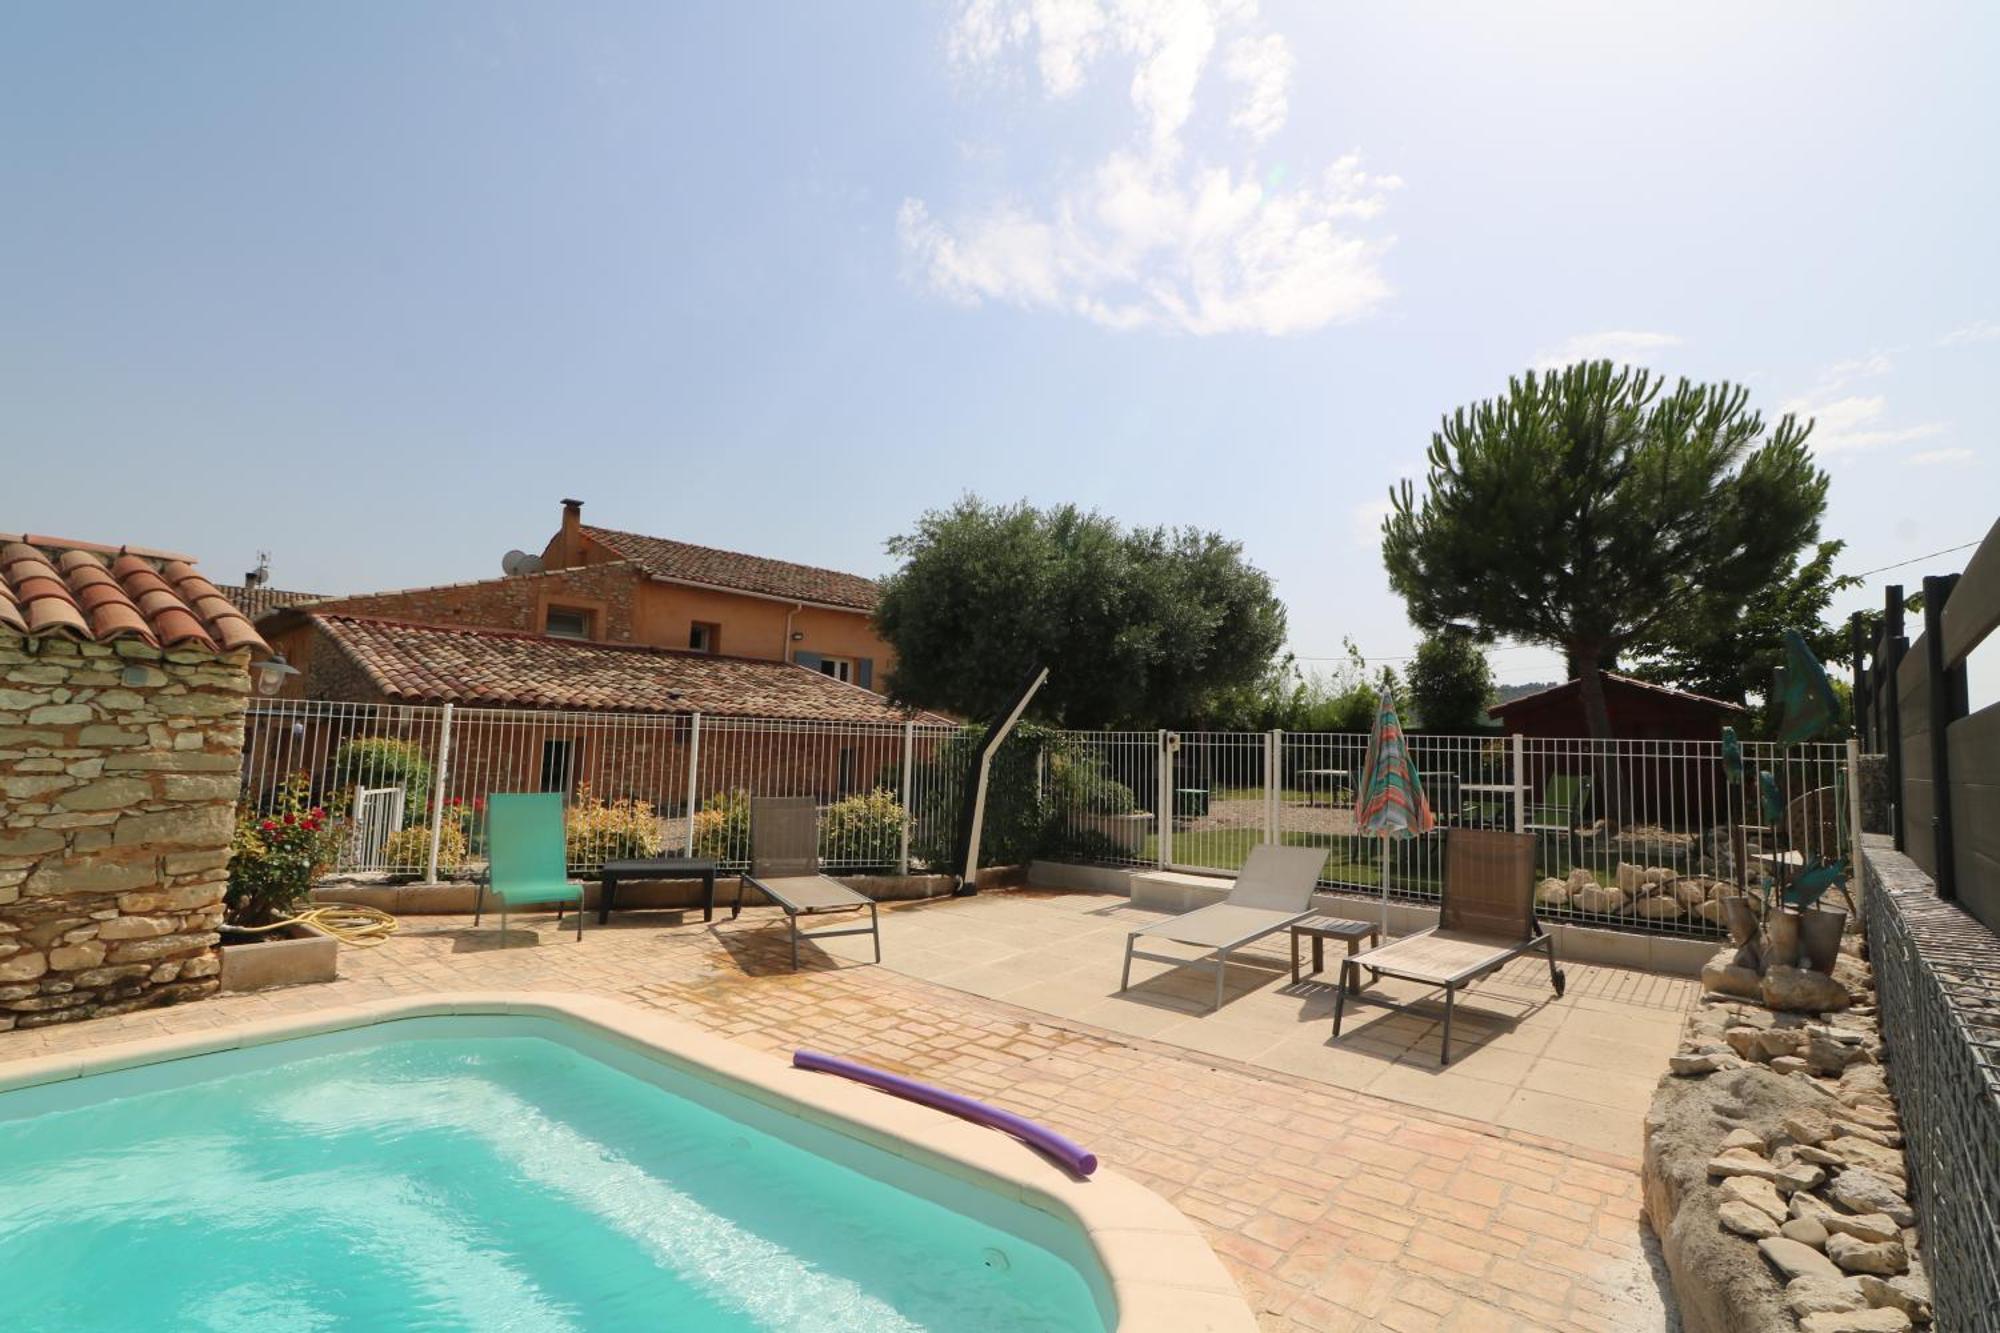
point(371, 286)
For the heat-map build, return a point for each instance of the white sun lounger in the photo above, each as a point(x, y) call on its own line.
point(1273, 890)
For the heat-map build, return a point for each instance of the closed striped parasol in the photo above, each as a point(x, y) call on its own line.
point(1389, 800)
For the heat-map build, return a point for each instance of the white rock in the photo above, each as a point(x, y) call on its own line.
point(1866, 1226)
point(1741, 1218)
point(1885, 1258)
point(1884, 1320)
point(1820, 1295)
point(1737, 1162)
point(1909, 1293)
point(1758, 1194)
point(1795, 1260)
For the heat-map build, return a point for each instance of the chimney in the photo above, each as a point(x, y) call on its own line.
point(572, 518)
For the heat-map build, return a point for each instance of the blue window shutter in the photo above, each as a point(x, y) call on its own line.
point(810, 661)
point(864, 672)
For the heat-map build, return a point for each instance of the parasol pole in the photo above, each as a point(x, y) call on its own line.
point(1385, 888)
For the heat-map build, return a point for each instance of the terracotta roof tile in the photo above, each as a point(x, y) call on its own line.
point(505, 668)
point(258, 602)
point(52, 586)
point(684, 562)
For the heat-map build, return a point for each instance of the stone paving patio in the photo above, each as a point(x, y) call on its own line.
point(1580, 1069)
point(1335, 1208)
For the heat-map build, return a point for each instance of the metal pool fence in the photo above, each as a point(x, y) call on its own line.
point(1642, 834)
point(407, 785)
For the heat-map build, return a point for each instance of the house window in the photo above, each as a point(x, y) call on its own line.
point(567, 623)
point(840, 668)
point(702, 638)
point(558, 765)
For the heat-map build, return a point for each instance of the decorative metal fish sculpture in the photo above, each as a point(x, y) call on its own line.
point(1810, 703)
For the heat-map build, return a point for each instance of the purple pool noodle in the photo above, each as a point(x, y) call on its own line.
point(1071, 1155)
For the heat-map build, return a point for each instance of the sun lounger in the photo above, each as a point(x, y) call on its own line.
point(784, 863)
point(1273, 890)
point(1486, 918)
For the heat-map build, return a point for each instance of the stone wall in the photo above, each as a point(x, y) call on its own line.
point(119, 768)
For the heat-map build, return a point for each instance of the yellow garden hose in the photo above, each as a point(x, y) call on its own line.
point(350, 923)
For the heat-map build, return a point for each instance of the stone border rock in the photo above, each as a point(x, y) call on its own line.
point(1774, 1156)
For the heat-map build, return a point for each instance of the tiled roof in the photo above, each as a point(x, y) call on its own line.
point(683, 562)
point(509, 669)
point(1554, 692)
point(262, 600)
point(96, 593)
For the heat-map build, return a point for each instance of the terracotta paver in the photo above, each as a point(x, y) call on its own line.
point(1333, 1208)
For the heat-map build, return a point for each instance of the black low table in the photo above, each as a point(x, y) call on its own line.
point(661, 867)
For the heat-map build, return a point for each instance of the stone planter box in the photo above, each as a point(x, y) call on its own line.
point(1127, 833)
point(282, 958)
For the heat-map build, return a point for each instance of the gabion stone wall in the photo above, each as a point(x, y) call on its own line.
point(1938, 973)
point(119, 770)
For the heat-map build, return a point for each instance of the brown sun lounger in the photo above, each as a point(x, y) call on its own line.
point(784, 864)
point(1485, 919)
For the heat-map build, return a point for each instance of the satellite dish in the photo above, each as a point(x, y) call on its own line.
point(520, 562)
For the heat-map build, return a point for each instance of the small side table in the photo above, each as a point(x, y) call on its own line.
point(661, 867)
point(1320, 929)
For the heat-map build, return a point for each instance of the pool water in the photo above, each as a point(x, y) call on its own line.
point(484, 1182)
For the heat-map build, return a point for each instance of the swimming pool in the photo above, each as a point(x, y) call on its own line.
point(545, 1165)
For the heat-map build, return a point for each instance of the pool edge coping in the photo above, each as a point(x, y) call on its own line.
point(1162, 1271)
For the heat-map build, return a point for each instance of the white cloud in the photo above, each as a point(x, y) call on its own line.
point(1368, 518)
point(1263, 65)
point(1612, 345)
point(1853, 423)
point(1940, 457)
point(1841, 373)
point(1155, 235)
point(1978, 331)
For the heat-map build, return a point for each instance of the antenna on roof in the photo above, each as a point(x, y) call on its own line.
point(520, 562)
point(261, 575)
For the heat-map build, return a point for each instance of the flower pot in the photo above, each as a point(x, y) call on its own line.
point(1742, 924)
point(1781, 939)
point(1820, 929)
point(279, 958)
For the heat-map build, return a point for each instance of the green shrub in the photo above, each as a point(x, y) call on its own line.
point(383, 761)
point(600, 831)
point(722, 826)
point(1015, 815)
point(408, 851)
point(275, 855)
point(1079, 784)
point(862, 832)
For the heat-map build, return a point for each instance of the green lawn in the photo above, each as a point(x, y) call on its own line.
point(1354, 861)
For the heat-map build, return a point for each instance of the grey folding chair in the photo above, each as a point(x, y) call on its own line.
point(784, 864)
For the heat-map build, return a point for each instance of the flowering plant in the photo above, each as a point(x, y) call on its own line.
point(276, 854)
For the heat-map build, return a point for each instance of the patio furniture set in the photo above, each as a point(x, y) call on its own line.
point(528, 867)
point(1486, 918)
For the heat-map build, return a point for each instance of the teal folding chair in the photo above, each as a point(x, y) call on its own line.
point(527, 857)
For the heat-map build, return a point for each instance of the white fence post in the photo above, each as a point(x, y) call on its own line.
point(1163, 791)
point(1274, 783)
point(694, 773)
point(1519, 777)
point(1854, 808)
point(909, 761)
point(441, 772)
